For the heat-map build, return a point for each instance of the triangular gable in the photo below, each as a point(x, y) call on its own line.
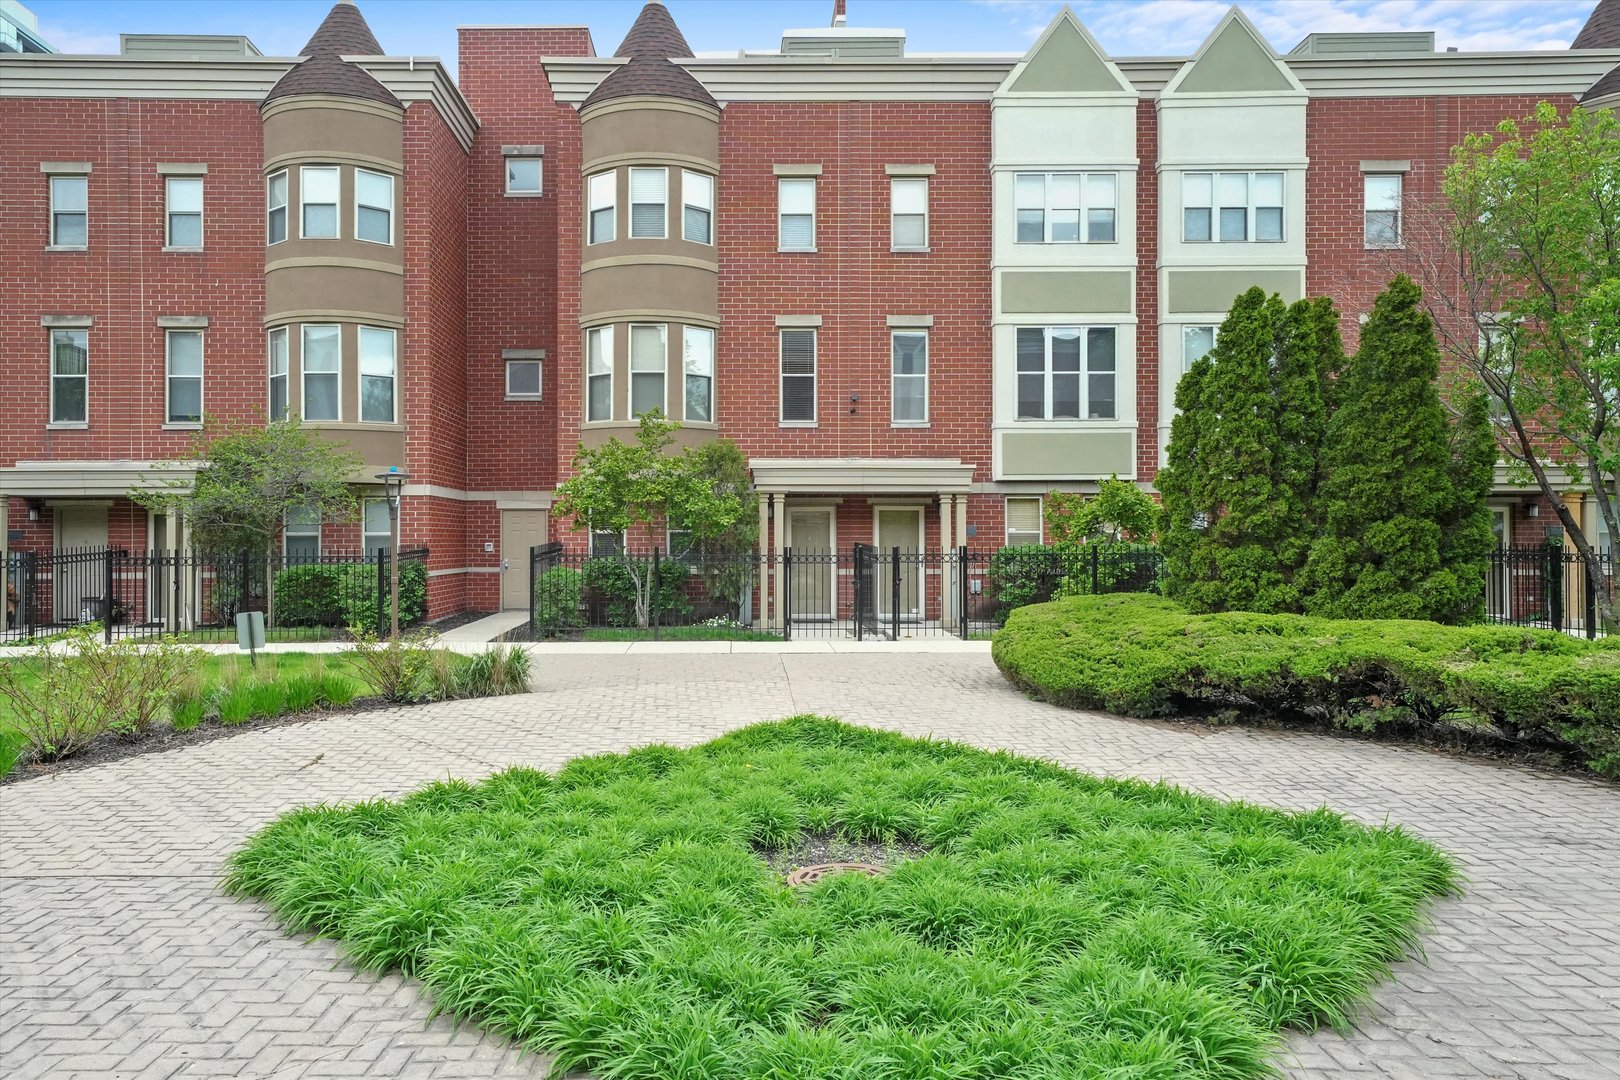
point(1066, 59)
point(1234, 59)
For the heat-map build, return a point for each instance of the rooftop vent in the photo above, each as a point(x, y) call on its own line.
point(1390, 43)
point(186, 46)
point(857, 41)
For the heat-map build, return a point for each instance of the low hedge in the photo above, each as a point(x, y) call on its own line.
point(345, 594)
point(1146, 656)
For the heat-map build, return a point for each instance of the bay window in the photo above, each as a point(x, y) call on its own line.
point(649, 215)
point(599, 373)
point(373, 206)
point(1066, 373)
point(278, 373)
point(322, 365)
point(603, 196)
point(318, 202)
point(698, 363)
point(378, 364)
point(697, 207)
point(275, 208)
point(649, 363)
point(1066, 207)
point(1232, 207)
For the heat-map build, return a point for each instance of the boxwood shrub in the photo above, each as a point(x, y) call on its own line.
point(1145, 656)
point(345, 594)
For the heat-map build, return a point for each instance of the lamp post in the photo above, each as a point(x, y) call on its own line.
point(393, 482)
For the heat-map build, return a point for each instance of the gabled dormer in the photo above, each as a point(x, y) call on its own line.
point(1235, 59)
point(1066, 61)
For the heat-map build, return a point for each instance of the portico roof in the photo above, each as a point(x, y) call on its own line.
point(86, 479)
point(874, 476)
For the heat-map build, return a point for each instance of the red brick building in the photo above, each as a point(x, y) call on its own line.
point(919, 291)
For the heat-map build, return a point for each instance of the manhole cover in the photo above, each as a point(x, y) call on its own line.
point(809, 875)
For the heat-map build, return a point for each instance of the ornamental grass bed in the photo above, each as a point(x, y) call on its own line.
point(624, 917)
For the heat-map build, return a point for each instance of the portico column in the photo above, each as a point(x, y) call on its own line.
point(947, 579)
point(170, 542)
point(764, 576)
point(961, 518)
point(779, 522)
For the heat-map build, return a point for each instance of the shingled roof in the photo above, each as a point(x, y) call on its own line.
point(343, 33)
point(649, 45)
point(1602, 31)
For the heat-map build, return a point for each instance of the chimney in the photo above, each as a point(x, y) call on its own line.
point(838, 13)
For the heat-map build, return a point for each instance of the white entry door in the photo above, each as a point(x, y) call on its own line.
point(78, 528)
point(1499, 590)
point(811, 582)
point(898, 527)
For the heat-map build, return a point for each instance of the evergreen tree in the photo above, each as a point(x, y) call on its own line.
point(1240, 485)
point(1466, 540)
point(1390, 491)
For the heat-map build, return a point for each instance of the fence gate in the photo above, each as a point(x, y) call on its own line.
point(866, 586)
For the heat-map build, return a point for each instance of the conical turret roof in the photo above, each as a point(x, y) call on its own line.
point(343, 33)
point(1602, 31)
point(649, 46)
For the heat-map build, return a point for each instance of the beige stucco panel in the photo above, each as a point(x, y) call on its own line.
point(1214, 290)
point(1079, 291)
point(335, 129)
point(376, 448)
point(1073, 454)
point(649, 286)
point(650, 130)
point(313, 288)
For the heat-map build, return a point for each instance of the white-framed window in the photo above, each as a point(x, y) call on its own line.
point(275, 207)
point(1196, 343)
point(373, 207)
point(908, 351)
point(1232, 207)
point(183, 361)
point(70, 376)
point(523, 380)
point(908, 213)
point(649, 367)
point(697, 207)
point(798, 362)
point(1066, 373)
point(183, 206)
point(697, 363)
point(1023, 514)
point(277, 349)
point(604, 192)
point(301, 534)
point(599, 373)
point(70, 211)
point(379, 364)
point(606, 543)
point(649, 206)
point(523, 175)
point(321, 363)
point(318, 202)
point(796, 214)
point(377, 532)
point(681, 545)
point(1066, 207)
point(1498, 346)
point(1381, 193)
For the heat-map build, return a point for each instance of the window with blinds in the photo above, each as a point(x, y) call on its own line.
point(796, 214)
point(908, 214)
point(1023, 520)
point(798, 356)
point(599, 373)
point(602, 199)
point(697, 207)
point(648, 210)
point(649, 360)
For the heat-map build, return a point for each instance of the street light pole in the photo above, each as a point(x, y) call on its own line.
point(393, 482)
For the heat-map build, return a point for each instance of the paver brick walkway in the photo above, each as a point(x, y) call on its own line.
point(119, 957)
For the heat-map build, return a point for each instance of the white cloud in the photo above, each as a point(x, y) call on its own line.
point(66, 39)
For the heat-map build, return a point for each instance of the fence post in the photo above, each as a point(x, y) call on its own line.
point(787, 594)
point(534, 633)
point(894, 592)
point(652, 594)
point(962, 588)
point(107, 595)
point(382, 593)
point(859, 595)
point(1591, 602)
point(1095, 580)
point(174, 606)
point(25, 595)
point(1552, 578)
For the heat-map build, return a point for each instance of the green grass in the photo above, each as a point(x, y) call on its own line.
point(677, 633)
point(618, 916)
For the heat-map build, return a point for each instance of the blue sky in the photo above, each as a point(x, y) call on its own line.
point(1125, 27)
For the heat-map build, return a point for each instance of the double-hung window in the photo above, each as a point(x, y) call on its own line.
point(1023, 519)
point(275, 208)
point(1066, 373)
point(697, 349)
point(798, 359)
point(183, 199)
point(1066, 207)
point(301, 534)
point(649, 364)
point(603, 205)
point(278, 373)
point(183, 351)
point(378, 365)
point(908, 213)
point(606, 543)
point(697, 207)
point(523, 380)
point(322, 363)
point(377, 530)
point(373, 206)
point(1232, 207)
point(70, 211)
point(649, 213)
point(599, 373)
point(70, 376)
point(318, 200)
point(1196, 343)
point(909, 354)
point(523, 176)
point(796, 214)
point(1382, 201)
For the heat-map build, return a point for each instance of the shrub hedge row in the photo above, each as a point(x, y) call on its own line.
point(1146, 656)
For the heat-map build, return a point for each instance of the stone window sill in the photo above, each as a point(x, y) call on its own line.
point(68, 425)
point(911, 424)
point(179, 426)
point(167, 250)
point(67, 247)
point(798, 423)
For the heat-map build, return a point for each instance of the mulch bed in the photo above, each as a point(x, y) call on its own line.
point(816, 849)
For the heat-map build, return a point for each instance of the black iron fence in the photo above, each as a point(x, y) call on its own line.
point(862, 592)
point(198, 594)
point(1551, 588)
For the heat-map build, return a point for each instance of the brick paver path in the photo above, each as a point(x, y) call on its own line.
point(119, 958)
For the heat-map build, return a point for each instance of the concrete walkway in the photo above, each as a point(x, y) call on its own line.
point(119, 958)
